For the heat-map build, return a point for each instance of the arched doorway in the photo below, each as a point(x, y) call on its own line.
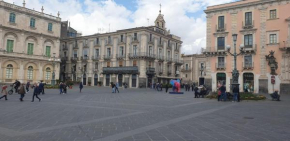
point(96, 79)
point(248, 82)
point(84, 79)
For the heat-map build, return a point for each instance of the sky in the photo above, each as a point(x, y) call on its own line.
point(184, 18)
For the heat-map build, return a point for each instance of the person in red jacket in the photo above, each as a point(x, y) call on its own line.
point(4, 92)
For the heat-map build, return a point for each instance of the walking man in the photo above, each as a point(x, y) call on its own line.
point(27, 86)
point(60, 88)
point(81, 86)
point(36, 91)
point(4, 92)
point(223, 92)
point(41, 86)
point(166, 87)
point(21, 92)
point(64, 88)
point(236, 92)
point(117, 87)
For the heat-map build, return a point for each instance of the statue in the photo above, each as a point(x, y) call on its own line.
point(272, 62)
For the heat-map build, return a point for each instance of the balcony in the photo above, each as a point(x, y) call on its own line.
point(64, 59)
point(120, 70)
point(107, 57)
point(221, 28)
point(75, 46)
point(150, 42)
point(96, 58)
point(160, 58)
point(176, 49)
point(85, 45)
point(285, 47)
point(122, 43)
point(248, 65)
point(141, 55)
point(169, 60)
point(97, 44)
point(178, 62)
point(220, 66)
point(177, 73)
point(135, 40)
point(120, 56)
point(160, 44)
point(210, 53)
point(160, 72)
point(85, 58)
point(185, 69)
point(250, 49)
point(109, 43)
point(150, 71)
point(248, 25)
point(169, 46)
point(74, 59)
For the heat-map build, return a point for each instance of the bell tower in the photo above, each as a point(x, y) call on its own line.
point(160, 22)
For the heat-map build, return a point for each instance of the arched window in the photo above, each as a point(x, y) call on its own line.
point(30, 73)
point(47, 73)
point(9, 71)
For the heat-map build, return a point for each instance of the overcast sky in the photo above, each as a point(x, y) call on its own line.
point(184, 18)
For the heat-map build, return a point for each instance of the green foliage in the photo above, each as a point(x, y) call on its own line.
point(243, 96)
point(51, 86)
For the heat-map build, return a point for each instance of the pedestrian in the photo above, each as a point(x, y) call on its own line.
point(60, 88)
point(117, 87)
point(36, 92)
point(236, 91)
point(223, 92)
point(41, 86)
point(195, 92)
point(161, 86)
point(16, 85)
point(64, 88)
point(4, 92)
point(22, 92)
point(27, 86)
point(81, 86)
point(166, 87)
point(113, 87)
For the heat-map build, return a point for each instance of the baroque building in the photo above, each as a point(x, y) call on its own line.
point(28, 40)
point(137, 56)
point(262, 26)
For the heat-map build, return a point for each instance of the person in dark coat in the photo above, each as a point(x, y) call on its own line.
point(81, 86)
point(36, 92)
point(41, 87)
point(195, 92)
point(236, 91)
point(16, 85)
point(22, 92)
point(64, 88)
point(27, 86)
point(60, 88)
point(166, 87)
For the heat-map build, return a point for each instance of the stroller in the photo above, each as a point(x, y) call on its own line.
point(275, 96)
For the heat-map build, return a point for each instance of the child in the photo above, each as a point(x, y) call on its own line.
point(4, 92)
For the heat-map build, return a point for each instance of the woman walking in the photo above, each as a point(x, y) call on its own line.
point(36, 92)
point(4, 92)
point(21, 92)
point(81, 86)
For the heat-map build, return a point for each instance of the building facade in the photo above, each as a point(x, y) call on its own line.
point(137, 56)
point(262, 26)
point(28, 39)
point(193, 69)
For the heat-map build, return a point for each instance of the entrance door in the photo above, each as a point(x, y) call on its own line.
point(201, 81)
point(120, 80)
point(221, 79)
point(96, 79)
point(134, 80)
point(107, 79)
point(84, 79)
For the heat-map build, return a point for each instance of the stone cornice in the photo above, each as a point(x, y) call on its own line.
point(29, 32)
point(238, 6)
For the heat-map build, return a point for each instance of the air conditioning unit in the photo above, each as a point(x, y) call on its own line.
point(177, 72)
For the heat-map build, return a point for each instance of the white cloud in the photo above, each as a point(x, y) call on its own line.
point(90, 16)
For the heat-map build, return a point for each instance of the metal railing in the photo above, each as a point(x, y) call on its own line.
point(120, 56)
point(248, 25)
point(221, 28)
point(107, 57)
point(248, 65)
point(160, 58)
point(96, 57)
point(169, 60)
point(220, 65)
point(85, 58)
point(141, 54)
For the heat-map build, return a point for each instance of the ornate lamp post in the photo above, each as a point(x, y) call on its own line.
point(54, 61)
point(235, 73)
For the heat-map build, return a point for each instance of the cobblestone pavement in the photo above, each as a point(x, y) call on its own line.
point(140, 115)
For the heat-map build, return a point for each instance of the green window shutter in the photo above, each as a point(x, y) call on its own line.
point(30, 49)
point(9, 47)
point(47, 53)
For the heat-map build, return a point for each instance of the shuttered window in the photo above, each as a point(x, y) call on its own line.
point(30, 49)
point(10, 44)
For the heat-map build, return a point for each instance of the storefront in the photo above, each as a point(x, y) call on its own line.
point(248, 82)
point(221, 79)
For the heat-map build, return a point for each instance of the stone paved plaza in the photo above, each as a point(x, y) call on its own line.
point(140, 115)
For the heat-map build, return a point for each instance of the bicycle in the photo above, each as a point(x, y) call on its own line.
point(11, 91)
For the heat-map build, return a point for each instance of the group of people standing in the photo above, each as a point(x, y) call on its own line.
point(23, 89)
point(223, 95)
point(188, 86)
point(115, 87)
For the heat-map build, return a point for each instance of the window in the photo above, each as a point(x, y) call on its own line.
point(121, 38)
point(109, 39)
point(168, 43)
point(135, 36)
point(47, 73)
point(160, 53)
point(160, 67)
point(162, 24)
point(120, 63)
point(221, 22)
point(248, 18)
point(134, 63)
point(221, 43)
point(9, 71)
point(273, 38)
point(108, 64)
point(221, 62)
point(97, 41)
point(150, 50)
point(121, 53)
point(47, 51)
point(12, 18)
point(248, 41)
point(86, 53)
point(248, 79)
point(30, 73)
point(221, 79)
point(75, 53)
point(49, 26)
point(150, 37)
point(32, 22)
point(248, 61)
point(186, 66)
point(176, 57)
point(168, 55)
point(97, 53)
point(273, 14)
point(30, 49)
point(168, 68)
point(96, 65)
point(134, 50)
point(176, 46)
point(10, 44)
point(108, 52)
point(64, 53)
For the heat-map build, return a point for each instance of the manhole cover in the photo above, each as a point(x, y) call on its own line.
point(248, 118)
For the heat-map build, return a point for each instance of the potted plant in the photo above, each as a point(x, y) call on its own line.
point(89, 83)
point(100, 83)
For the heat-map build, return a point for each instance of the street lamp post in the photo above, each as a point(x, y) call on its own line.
point(54, 61)
point(235, 72)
